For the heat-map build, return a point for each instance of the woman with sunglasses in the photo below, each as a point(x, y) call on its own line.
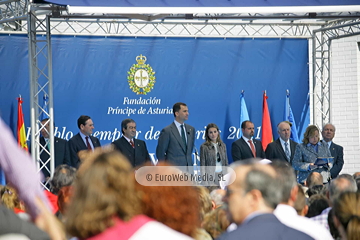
point(213, 155)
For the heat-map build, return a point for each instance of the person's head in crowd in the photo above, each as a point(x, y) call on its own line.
point(314, 178)
point(287, 182)
point(205, 201)
point(217, 196)
point(317, 203)
point(357, 181)
point(128, 128)
point(181, 112)
point(64, 175)
point(333, 230)
point(46, 129)
point(64, 197)
point(212, 133)
point(316, 189)
point(284, 130)
point(300, 203)
point(343, 183)
point(85, 124)
point(11, 200)
point(356, 175)
point(347, 215)
point(175, 206)
point(216, 222)
point(103, 191)
point(311, 135)
point(255, 189)
point(328, 132)
point(2, 189)
point(247, 128)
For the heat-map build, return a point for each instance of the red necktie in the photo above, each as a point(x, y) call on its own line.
point(88, 144)
point(132, 143)
point(252, 148)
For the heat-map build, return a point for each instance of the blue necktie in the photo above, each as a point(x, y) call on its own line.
point(183, 134)
point(287, 152)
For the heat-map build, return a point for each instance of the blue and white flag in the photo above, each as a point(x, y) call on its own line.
point(289, 116)
point(43, 115)
point(244, 115)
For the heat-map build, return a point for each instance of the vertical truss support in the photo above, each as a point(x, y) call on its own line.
point(320, 95)
point(40, 67)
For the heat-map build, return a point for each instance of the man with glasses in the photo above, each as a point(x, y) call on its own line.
point(134, 149)
point(251, 199)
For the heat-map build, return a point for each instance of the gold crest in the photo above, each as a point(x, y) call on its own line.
point(141, 76)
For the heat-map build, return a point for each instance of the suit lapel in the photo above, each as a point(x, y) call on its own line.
point(81, 142)
point(177, 136)
point(311, 149)
point(280, 148)
point(247, 147)
point(188, 137)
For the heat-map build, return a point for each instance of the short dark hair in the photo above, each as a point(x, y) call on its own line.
point(125, 122)
point(64, 175)
point(243, 124)
point(82, 120)
point(45, 120)
point(177, 107)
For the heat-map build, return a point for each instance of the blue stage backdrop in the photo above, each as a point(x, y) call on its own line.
point(208, 74)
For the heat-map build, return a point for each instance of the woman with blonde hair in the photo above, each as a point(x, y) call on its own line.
point(307, 153)
point(347, 215)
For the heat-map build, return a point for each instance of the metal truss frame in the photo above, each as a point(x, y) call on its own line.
point(321, 43)
point(40, 66)
point(12, 13)
point(321, 29)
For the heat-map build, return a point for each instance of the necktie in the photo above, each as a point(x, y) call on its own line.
point(183, 134)
point(252, 148)
point(132, 143)
point(88, 144)
point(287, 152)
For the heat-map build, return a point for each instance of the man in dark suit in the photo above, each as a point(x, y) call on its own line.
point(247, 147)
point(176, 141)
point(83, 140)
point(61, 148)
point(134, 149)
point(251, 200)
point(337, 151)
point(283, 148)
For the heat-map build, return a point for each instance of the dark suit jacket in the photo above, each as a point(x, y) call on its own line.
point(264, 226)
point(337, 152)
point(275, 151)
point(240, 150)
point(62, 154)
point(172, 148)
point(76, 144)
point(138, 155)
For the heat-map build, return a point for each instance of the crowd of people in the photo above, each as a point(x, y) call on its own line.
point(96, 194)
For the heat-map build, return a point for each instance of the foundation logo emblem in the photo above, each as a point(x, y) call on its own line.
point(141, 76)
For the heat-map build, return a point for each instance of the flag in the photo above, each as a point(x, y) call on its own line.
point(266, 133)
point(44, 111)
point(21, 134)
point(244, 115)
point(288, 116)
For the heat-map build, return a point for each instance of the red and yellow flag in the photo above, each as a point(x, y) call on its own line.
point(21, 134)
point(266, 133)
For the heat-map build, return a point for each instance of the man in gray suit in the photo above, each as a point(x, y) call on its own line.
point(176, 141)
